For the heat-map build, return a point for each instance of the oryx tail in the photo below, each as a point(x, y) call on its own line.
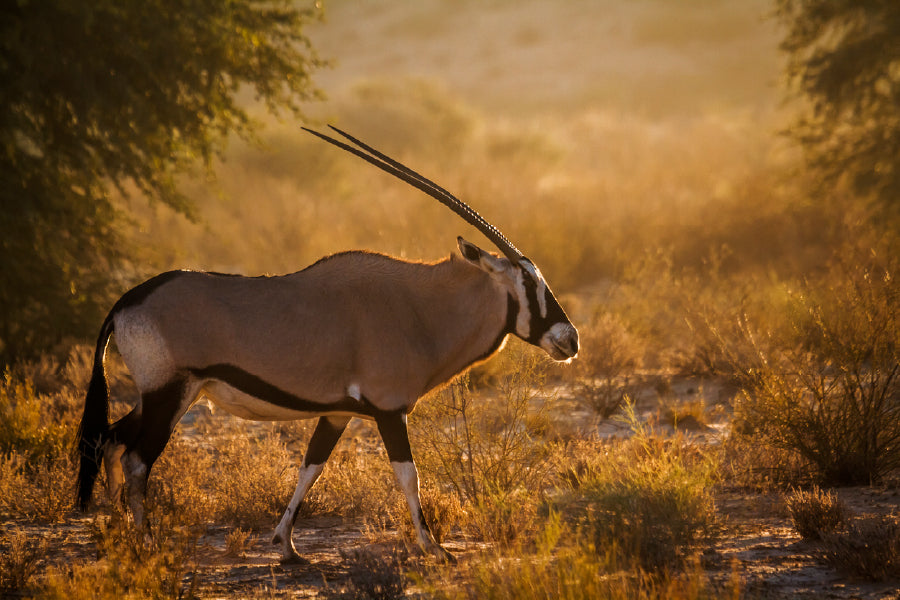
point(94, 428)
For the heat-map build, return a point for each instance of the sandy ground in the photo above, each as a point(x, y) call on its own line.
point(758, 544)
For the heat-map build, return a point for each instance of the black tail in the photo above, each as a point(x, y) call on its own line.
point(94, 427)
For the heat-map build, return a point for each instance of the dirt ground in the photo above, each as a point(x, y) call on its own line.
point(758, 543)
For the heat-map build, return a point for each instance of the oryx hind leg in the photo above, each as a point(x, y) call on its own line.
point(328, 431)
point(392, 427)
point(121, 434)
point(158, 413)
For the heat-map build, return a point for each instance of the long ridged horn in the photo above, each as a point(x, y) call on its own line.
point(401, 171)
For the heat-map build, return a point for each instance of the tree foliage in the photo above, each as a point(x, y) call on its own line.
point(100, 97)
point(844, 61)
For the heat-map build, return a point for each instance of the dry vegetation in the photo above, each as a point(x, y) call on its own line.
point(740, 341)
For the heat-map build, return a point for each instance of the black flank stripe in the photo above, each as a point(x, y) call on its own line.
point(252, 385)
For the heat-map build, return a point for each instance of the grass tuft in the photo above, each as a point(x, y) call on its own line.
point(815, 513)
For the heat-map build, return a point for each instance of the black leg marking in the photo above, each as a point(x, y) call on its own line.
point(324, 438)
point(328, 431)
point(125, 430)
point(392, 427)
point(157, 421)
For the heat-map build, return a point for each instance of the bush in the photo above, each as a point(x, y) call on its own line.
point(485, 447)
point(154, 564)
point(826, 384)
point(374, 576)
point(869, 548)
point(19, 561)
point(568, 565)
point(815, 513)
point(607, 361)
point(647, 499)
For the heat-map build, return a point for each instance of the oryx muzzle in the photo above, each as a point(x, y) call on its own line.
point(354, 334)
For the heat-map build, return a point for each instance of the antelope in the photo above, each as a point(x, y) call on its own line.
point(356, 334)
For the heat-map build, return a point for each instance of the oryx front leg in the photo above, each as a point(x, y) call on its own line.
point(392, 427)
point(328, 431)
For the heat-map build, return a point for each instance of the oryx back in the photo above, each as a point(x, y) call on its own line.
point(353, 329)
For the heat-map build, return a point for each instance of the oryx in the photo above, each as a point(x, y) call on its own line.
point(356, 334)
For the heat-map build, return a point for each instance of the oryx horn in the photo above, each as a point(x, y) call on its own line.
point(401, 171)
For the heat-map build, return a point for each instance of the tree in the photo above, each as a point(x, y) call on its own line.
point(101, 97)
point(844, 62)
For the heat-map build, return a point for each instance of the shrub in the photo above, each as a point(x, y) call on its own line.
point(374, 576)
point(237, 542)
point(607, 361)
point(826, 385)
point(568, 565)
point(869, 548)
point(153, 564)
point(646, 499)
point(485, 446)
point(244, 480)
point(36, 490)
point(815, 513)
point(19, 561)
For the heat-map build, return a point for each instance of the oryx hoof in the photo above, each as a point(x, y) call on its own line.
point(440, 553)
point(293, 559)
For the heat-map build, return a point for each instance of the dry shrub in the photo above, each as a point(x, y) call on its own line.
point(646, 499)
point(358, 481)
point(868, 548)
point(689, 416)
point(36, 490)
point(826, 384)
point(815, 513)
point(504, 518)
point(36, 433)
point(485, 446)
point(154, 563)
point(19, 561)
point(566, 564)
point(606, 364)
point(442, 511)
point(749, 464)
point(35, 425)
point(237, 542)
point(243, 481)
point(374, 575)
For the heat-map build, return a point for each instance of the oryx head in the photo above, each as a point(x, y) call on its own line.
point(539, 318)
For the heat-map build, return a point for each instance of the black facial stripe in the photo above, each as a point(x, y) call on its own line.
point(536, 324)
point(258, 388)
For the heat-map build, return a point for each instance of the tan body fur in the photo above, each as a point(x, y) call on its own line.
point(391, 328)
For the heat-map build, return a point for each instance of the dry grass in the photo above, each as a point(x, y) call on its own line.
point(671, 234)
point(868, 548)
point(646, 501)
point(815, 513)
point(20, 560)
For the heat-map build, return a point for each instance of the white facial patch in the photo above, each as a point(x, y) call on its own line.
point(523, 319)
point(354, 392)
point(560, 342)
point(541, 286)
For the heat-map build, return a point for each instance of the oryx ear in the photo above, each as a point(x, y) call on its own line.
point(481, 259)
